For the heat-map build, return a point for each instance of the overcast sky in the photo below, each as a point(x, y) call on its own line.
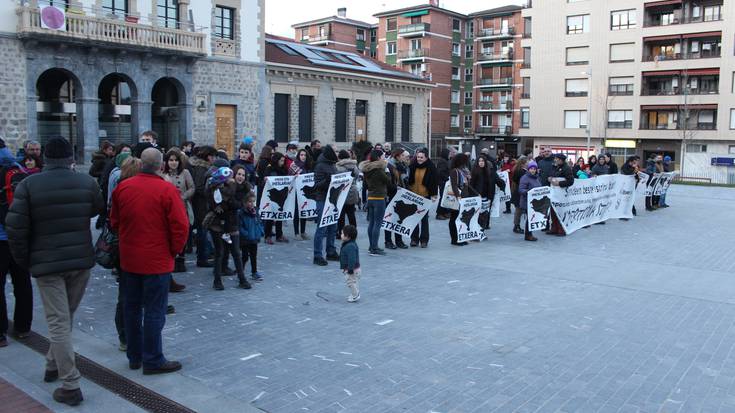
point(281, 14)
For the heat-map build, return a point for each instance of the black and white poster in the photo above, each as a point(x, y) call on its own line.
point(501, 196)
point(539, 206)
point(405, 212)
point(663, 183)
point(278, 200)
point(640, 191)
point(339, 187)
point(468, 224)
point(589, 201)
point(304, 187)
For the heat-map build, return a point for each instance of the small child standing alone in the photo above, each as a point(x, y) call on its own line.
point(349, 261)
point(251, 230)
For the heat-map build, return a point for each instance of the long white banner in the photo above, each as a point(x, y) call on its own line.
point(589, 201)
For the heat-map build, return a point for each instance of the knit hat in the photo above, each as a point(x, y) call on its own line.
point(560, 156)
point(219, 163)
point(220, 176)
point(248, 140)
point(121, 157)
point(532, 164)
point(667, 158)
point(58, 148)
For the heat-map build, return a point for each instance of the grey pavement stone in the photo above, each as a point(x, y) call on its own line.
point(630, 316)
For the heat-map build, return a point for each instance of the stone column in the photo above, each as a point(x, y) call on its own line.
point(32, 115)
point(140, 118)
point(184, 15)
point(185, 121)
point(87, 127)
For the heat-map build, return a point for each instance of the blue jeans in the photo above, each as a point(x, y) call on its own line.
point(146, 299)
point(330, 232)
point(375, 212)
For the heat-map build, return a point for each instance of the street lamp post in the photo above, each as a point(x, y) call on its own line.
point(588, 73)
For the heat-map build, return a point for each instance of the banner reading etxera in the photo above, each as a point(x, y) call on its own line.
point(594, 200)
point(405, 212)
point(277, 202)
point(539, 205)
point(339, 187)
point(304, 185)
point(468, 225)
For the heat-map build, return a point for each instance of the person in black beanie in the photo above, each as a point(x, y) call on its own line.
point(49, 234)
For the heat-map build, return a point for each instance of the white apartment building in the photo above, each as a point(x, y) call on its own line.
point(639, 76)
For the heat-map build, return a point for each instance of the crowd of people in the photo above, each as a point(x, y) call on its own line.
point(162, 205)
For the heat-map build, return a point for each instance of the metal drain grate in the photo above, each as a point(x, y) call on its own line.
point(129, 390)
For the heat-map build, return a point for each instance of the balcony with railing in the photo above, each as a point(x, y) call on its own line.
point(494, 130)
point(413, 30)
point(114, 30)
point(679, 117)
point(496, 33)
point(657, 14)
point(495, 82)
point(698, 82)
point(490, 106)
point(489, 57)
point(682, 47)
point(412, 54)
point(322, 38)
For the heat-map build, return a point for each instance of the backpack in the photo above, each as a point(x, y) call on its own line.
point(11, 176)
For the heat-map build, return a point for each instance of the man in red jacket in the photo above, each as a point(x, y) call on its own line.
point(151, 222)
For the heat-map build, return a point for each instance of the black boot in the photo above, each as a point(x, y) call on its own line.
point(217, 285)
point(243, 282)
point(517, 229)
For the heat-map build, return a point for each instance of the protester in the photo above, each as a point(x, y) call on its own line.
point(652, 168)
point(245, 159)
point(423, 180)
point(528, 181)
point(276, 167)
point(151, 222)
point(251, 230)
point(507, 165)
point(519, 171)
point(19, 276)
point(32, 164)
point(49, 234)
point(300, 165)
point(30, 147)
point(562, 177)
point(349, 261)
point(630, 167)
point(484, 178)
point(223, 224)
point(188, 148)
point(261, 169)
point(579, 166)
point(347, 164)
point(601, 167)
point(175, 172)
point(199, 165)
point(396, 171)
point(377, 178)
point(442, 172)
point(668, 166)
point(591, 161)
point(101, 159)
point(315, 149)
point(545, 166)
point(459, 176)
point(150, 137)
point(323, 171)
point(292, 150)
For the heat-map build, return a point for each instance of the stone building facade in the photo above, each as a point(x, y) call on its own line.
point(145, 71)
point(378, 89)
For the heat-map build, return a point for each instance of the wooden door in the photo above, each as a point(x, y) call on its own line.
point(225, 128)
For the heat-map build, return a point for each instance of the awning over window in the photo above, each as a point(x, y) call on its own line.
point(415, 13)
point(662, 3)
point(705, 34)
point(660, 38)
point(672, 108)
point(700, 72)
point(663, 73)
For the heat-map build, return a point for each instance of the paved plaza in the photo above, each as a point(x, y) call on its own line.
point(631, 316)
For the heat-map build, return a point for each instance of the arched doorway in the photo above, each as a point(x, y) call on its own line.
point(166, 116)
point(56, 108)
point(115, 93)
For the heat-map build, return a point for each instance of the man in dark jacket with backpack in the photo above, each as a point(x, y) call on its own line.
point(326, 166)
point(49, 233)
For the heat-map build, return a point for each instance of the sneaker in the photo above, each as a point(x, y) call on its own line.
point(424, 244)
point(353, 299)
point(305, 237)
point(244, 284)
point(122, 347)
point(256, 277)
point(377, 252)
point(389, 245)
point(402, 246)
point(135, 365)
point(70, 397)
point(320, 261)
point(217, 285)
point(414, 243)
point(166, 367)
point(460, 244)
point(332, 257)
point(50, 376)
point(170, 309)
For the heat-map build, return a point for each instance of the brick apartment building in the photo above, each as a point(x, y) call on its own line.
point(339, 33)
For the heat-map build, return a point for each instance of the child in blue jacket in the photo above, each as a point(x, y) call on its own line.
point(349, 261)
point(251, 230)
